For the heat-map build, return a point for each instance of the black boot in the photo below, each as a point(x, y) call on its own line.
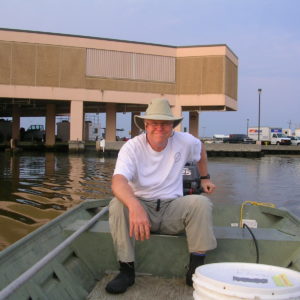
point(123, 280)
point(195, 261)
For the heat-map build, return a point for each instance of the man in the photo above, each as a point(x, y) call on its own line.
point(148, 188)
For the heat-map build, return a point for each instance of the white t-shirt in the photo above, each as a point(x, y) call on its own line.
point(157, 175)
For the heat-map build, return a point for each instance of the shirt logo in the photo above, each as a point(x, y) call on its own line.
point(177, 157)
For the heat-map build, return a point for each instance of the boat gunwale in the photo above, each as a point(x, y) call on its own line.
point(86, 205)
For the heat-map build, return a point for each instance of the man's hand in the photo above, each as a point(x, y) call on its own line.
point(139, 225)
point(207, 186)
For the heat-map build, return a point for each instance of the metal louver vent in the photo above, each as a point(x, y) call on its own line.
point(128, 65)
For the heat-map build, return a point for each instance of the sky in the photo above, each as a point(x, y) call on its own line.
point(264, 34)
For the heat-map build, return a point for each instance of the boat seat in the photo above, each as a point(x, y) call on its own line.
point(153, 256)
point(169, 252)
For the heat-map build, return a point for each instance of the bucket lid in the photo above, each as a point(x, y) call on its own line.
point(243, 279)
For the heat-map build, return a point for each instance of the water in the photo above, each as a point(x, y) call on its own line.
point(37, 187)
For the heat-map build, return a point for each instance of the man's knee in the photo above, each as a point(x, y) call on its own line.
point(116, 208)
point(199, 202)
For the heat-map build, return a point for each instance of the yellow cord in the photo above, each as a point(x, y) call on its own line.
point(253, 203)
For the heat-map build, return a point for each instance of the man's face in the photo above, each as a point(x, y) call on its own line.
point(158, 131)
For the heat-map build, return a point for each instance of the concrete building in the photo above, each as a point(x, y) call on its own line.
point(46, 74)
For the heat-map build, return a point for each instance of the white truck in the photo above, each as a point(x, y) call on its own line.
point(269, 135)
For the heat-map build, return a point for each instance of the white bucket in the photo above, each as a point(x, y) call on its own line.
point(245, 281)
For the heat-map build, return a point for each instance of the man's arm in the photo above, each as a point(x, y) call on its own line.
point(139, 224)
point(207, 185)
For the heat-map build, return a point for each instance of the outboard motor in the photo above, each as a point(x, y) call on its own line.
point(191, 179)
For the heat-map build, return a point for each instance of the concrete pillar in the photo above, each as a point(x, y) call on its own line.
point(16, 122)
point(76, 143)
point(194, 123)
point(134, 129)
point(111, 120)
point(177, 112)
point(76, 121)
point(50, 124)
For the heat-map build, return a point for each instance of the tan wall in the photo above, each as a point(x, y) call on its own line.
point(206, 75)
point(5, 62)
point(231, 79)
point(48, 66)
point(73, 67)
point(28, 64)
point(42, 65)
point(23, 64)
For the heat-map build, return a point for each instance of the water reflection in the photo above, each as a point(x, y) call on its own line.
point(37, 187)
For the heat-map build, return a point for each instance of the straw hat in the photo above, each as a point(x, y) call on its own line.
point(158, 109)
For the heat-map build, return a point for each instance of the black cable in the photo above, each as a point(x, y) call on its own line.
point(255, 242)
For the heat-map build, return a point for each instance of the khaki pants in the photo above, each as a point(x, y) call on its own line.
point(192, 214)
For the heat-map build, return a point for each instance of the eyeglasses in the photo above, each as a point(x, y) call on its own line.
point(159, 124)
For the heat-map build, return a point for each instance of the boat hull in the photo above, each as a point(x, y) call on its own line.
point(75, 270)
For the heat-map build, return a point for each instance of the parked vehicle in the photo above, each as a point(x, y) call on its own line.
point(238, 139)
point(295, 140)
point(34, 133)
point(219, 138)
point(269, 135)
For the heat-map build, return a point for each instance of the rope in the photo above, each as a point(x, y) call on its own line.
point(252, 203)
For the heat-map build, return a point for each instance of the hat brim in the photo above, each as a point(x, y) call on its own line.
point(139, 120)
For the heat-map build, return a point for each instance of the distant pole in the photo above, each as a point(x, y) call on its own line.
point(259, 92)
point(247, 126)
point(203, 131)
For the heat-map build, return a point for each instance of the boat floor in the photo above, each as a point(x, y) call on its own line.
point(146, 287)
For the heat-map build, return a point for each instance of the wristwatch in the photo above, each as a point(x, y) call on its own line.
point(205, 177)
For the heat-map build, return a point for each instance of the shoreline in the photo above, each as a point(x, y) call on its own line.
point(112, 149)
